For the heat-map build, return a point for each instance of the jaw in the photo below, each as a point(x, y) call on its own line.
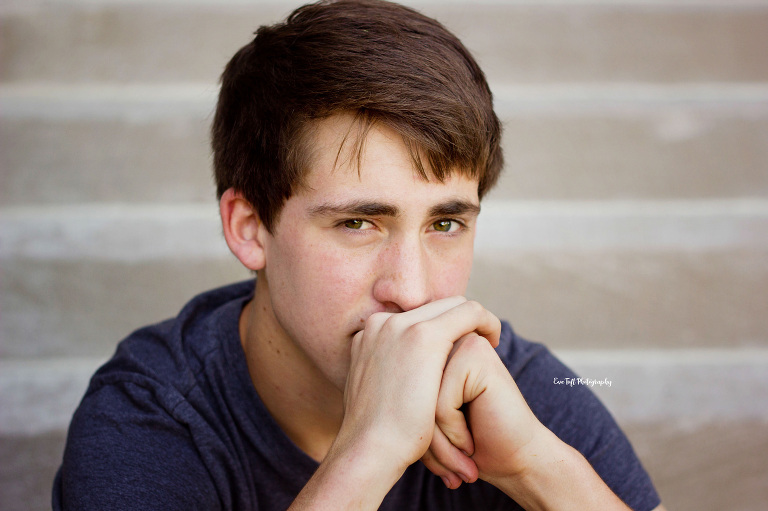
point(276, 360)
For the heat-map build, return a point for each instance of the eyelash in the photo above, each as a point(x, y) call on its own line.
point(461, 225)
point(342, 225)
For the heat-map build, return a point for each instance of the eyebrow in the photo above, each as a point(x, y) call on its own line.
point(454, 207)
point(355, 208)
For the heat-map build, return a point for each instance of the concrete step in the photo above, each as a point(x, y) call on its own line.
point(614, 41)
point(519, 42)
point(622, 275)
point(87, 161)
point(705, 467)
point(28, 464)
point(58, 308)
point(150, 143)
point(649, 147)
point(617, 300)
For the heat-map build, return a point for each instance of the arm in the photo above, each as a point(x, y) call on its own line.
point(512, 449)
point(354, 475)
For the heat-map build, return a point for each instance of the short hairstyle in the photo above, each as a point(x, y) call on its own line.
point(380, 61)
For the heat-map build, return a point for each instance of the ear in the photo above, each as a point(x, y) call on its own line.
point(243, 229)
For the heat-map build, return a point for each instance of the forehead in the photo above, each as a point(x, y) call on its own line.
point(346, 156)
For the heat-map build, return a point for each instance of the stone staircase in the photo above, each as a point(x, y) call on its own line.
point(630, 232)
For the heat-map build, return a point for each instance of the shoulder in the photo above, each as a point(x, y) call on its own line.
point(171, 353)
point(145, 427)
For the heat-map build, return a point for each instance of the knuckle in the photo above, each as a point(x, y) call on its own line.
point(459, 299)
point(376, 320)
point(391, 323)
point(417, 331)
point(474, 307)
point(474, 343)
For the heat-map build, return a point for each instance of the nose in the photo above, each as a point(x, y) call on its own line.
point(403, 276)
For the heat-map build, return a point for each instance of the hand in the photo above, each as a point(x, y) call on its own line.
point(481, 411)
point(397, 364)
point(480, 403)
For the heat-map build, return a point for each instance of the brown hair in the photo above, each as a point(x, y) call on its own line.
point(381, 61)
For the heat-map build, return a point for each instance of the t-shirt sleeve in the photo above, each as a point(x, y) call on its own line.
point(125, 451)
point(578, 418)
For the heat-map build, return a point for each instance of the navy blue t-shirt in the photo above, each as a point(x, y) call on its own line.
point(173, 421)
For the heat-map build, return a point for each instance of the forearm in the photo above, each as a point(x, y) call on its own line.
point(350, 477)
point(558, 477)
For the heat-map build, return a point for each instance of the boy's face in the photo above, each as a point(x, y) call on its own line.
point(353, 243)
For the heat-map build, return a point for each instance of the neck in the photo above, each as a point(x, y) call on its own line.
point(303, 402)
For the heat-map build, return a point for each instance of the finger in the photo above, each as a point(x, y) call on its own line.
point(354, 353)
point(450, 479)
point(361, 340)
point(433, 309)
point(452, 458)
point(462, 319)
point(355, 345)
point(452, 423)
point(457, 387)
point(375, 322)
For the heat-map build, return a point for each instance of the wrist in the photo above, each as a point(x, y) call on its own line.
point(370, 455)
point(530, 463)
point(554, 475)
point(354, 475)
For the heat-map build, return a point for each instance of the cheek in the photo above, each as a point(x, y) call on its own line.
point(318, 284)
point(337, 274)
point(450, 273)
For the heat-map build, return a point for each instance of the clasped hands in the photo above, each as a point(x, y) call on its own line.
point(427, 384)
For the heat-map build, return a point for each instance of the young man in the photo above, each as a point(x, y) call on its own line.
point(352, 145)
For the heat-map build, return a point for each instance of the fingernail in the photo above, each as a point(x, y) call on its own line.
point(464, 478)
point(446, 482)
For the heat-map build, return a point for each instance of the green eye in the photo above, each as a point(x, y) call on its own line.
point(443, 225)
point(353, 224)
